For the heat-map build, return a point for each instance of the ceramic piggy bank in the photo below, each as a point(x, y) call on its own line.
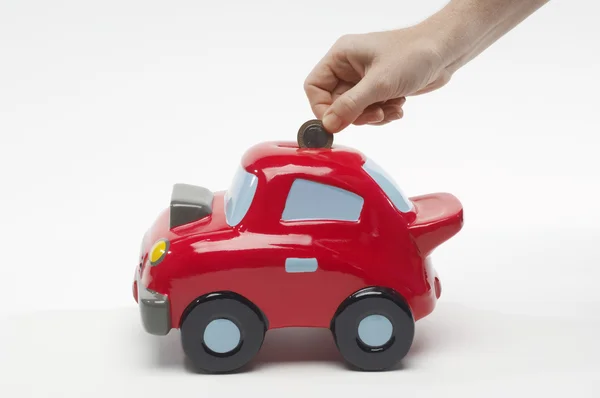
point(303, 237)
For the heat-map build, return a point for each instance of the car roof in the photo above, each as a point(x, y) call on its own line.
point(280, 154)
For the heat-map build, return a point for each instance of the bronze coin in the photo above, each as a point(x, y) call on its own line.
point(312, 134)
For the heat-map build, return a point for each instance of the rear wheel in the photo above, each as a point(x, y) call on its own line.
point(222, 333)
point(374, 329)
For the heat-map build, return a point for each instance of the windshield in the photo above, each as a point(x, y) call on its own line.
point(239, 196)
point(388, 185)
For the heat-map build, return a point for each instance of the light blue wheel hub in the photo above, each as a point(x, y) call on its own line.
point(222, 336)
point(375, 330)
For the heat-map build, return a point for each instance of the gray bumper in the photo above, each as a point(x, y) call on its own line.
point(154, 310)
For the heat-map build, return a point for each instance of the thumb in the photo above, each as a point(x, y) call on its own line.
point(350, 105)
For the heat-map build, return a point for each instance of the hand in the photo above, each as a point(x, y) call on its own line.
point(365, 78)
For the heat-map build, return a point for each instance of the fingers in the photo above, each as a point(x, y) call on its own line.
point(393, 109)
point(390, 117)
point(319, 87)
point(346, 109)
point(339, 103)
point(382, 113)
point(373, 114)
point(332, 76)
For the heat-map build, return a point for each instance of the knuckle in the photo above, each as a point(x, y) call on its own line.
point(307, 86)
point(338, 52)
point(345, 39)
point(344, 44)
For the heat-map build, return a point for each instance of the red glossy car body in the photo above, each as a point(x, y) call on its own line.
point(385, 247)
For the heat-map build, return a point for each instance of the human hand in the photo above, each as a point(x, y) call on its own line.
point(365, 78)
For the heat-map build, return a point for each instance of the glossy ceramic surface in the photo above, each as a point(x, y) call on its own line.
point(269, 239)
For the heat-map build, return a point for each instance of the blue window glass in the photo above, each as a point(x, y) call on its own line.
point(239, 196)
point(295, 265)
point(309, 200)
point(388, 185)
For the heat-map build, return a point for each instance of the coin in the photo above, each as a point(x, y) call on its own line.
point(312, 134)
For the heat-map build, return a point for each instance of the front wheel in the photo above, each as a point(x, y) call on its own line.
point(374, 329)
point(222, 333)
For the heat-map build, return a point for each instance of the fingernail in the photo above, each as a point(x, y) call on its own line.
point(394, 116)
point(332, 122)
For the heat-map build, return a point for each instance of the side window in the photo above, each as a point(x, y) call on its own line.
point(388, 185)
point(309, 200)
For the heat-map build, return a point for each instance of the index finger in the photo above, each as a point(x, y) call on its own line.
point(319, 86)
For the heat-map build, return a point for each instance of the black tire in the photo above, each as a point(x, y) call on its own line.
point(229, 308)
point(378, 302)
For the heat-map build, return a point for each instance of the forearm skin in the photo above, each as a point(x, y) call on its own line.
point(465, 28)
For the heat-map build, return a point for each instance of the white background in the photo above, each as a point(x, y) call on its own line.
point(104, 105)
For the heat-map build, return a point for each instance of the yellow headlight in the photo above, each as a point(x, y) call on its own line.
point(159, 251)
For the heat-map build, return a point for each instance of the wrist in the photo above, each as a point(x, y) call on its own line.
point(455, 32)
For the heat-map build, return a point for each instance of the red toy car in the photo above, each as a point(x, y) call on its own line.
point(303, 237)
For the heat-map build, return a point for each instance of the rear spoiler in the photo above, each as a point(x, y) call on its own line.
point(439, 218)
point(189, 203)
